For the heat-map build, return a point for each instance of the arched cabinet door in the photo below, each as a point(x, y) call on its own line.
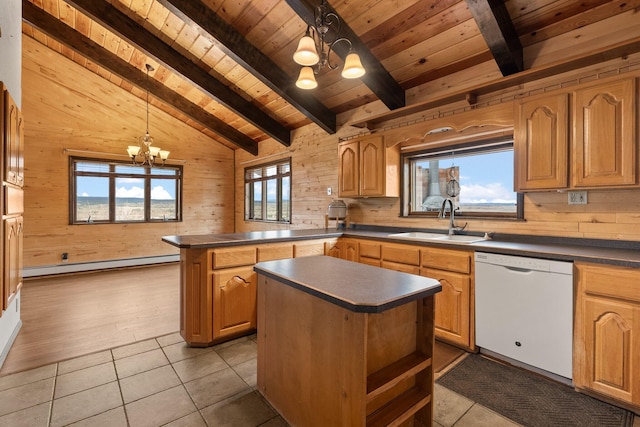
point(604, 142)
point(607, 331)
point(541, 138)
point(234, 301)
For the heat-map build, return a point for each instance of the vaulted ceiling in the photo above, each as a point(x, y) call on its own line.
point(225, 66)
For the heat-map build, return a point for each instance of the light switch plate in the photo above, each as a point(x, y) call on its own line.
point(328, 191)
point(577, 197)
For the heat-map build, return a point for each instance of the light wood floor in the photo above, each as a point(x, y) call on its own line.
point(73, 315)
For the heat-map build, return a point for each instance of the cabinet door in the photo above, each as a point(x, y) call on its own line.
point(607, 331)
point(348, 169)
point(12, 276)
point(349, 250)
point(372, 170)
point(541, 138)
point(12, 136)
point(234, 301)
point(452, 319)
point(604, 135)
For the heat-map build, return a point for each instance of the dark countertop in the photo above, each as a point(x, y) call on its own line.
point(624, 253)
point(234, 239)
point(356, 287)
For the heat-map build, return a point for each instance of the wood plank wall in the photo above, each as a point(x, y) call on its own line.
point(66, 106)
point(609, 214)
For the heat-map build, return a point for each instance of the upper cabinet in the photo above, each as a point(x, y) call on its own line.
point(14, 142)
point(604, 135)
point(601, 132)
point(541, 143)
point(368, 168)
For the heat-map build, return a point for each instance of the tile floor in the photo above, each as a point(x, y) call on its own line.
point(163, 382)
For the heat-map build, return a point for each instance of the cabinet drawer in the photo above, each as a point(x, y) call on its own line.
point(403, 254)
point(233, 257)
point(611, 281)
point(447, 259)
point(13, 200)
point(275, 251)
point(370, 250)
point(404, 268)
point(310, 248)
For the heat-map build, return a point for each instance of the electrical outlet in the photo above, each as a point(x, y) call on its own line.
point(65, 257)
point(577, 197)
point(328, 191)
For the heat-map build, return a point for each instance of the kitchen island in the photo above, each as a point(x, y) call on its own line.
point(345, 344)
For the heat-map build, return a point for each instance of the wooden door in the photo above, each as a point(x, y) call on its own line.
point(348, 170)
point(234, 301)
point(541, 138)
point(12, 137)
point(12, 276)
point(349, 250)
point(372, 169)
point(452, 318)
point(604, 135)
point(607, 331)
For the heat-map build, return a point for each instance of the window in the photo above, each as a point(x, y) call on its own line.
point(267, 192)
point(478, 178)
point(105, 191)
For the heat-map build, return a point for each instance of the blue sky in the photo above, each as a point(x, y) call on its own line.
point(125, 187)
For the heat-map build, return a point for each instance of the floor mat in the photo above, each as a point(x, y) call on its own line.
point(527, 398)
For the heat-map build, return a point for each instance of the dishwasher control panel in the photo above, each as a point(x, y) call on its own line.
point(536, 264)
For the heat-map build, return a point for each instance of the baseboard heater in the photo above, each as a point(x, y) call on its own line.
point(47, 270)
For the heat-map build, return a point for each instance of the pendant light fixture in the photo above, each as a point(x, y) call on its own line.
point(314, 49)
point(145, 150)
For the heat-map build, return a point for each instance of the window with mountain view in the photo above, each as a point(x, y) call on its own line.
point(477, 178)
point(267, 192)
point(106, 191)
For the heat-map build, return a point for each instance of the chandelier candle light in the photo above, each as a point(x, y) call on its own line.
point(316, 40)
point(149, 152)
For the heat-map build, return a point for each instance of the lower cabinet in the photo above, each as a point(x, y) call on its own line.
point(398, 257)
point(234, 301)
point(345, 249)
point(454, 319)
point(12, 263)
point(607, 331)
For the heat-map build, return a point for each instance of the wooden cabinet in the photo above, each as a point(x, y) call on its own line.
point(607, 332)
point(603, 138)
point(454, 319)
point(541, 138)
point(398, 257)
point(218, 287)
point(369, 252)
point(12, 265)
point(234, 301)
point(604, 134)
point(12, 200)
point(344, 248)
point(13, 142)
point(345, 367)
point(368, 168)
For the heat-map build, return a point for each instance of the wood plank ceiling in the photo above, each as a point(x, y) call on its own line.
point(225, 66)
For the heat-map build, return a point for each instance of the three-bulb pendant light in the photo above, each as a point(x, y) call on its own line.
point(311, 50)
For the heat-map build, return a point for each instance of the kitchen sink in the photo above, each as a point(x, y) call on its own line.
point(437, 237)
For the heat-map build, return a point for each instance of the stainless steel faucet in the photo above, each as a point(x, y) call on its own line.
point(443, 214)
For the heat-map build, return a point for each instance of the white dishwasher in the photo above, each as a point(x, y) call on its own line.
point(524, 310)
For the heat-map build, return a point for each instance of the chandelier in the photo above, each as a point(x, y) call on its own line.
point(314, 49)
point(146, 153)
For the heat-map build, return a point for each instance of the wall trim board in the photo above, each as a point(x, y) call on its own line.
point(47, 270)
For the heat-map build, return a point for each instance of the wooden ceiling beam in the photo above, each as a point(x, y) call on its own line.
point(135, 34)
point(86, 47)
point(498, 31)
point(234, 45)
point(377, 78)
